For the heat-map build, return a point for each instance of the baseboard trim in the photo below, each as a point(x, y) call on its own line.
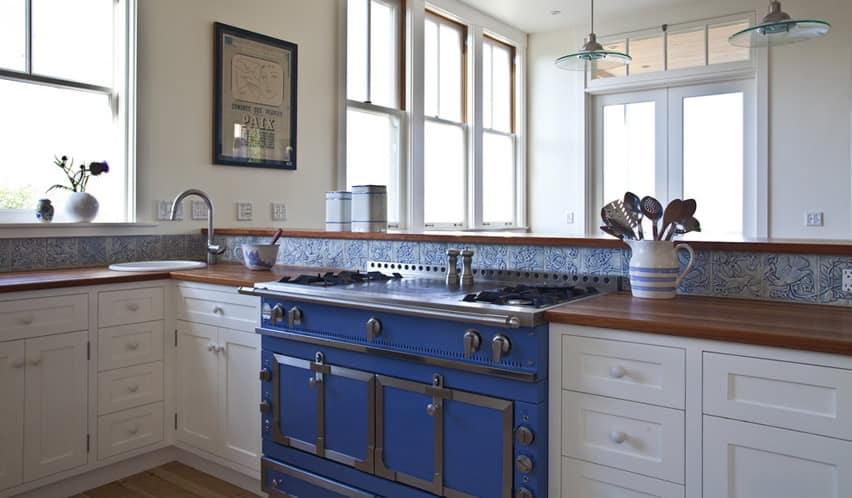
point(206, 465)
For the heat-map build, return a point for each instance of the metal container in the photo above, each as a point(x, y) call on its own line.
point(338, 211)
point(369, 208)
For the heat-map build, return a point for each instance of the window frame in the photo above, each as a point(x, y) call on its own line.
point(122, 99)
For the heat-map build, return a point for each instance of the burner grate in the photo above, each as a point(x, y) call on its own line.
point(537, 296)
point(331, 279)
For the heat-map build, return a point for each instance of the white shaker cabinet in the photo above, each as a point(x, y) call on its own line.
point(12, 366)
point(198, 378)
point(239, 398)
point(56, 404)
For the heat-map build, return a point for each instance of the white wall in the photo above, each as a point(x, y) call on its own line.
point(810, 114)
point(175, 109)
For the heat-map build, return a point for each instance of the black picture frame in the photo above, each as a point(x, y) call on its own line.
point(267, 126)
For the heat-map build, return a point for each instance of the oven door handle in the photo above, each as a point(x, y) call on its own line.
point(502, 321)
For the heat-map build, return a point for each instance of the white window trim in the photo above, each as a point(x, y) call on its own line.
point(756, 181)
point(124, 110)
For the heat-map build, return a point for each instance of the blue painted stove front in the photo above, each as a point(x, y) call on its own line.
point(346, 416)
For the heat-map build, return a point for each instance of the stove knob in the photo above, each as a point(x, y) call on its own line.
point(472, 342)
point(524, 493)
point(500, 347)
point(276, 314)
point(524, 436)
point(374, 328)
point(524, 464)
point(264, 406)
point(265, 374)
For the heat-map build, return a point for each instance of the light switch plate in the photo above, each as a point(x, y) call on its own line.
point(164, 210)
point(814, 219)
point(846, 285)
point(278, 211)
point(199, 210)
point(245, 211)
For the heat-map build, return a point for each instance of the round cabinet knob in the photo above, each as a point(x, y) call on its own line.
point(133, 430)
point(35, 361)
point(18, 363)
point(211, 348)
point(133, 346)
point(617, 372)
point(617, 437)
point(524, 493)
point(27, 320)
point(133, 388)
point(524, 436)
point(265, 407)
point(524, 464)
point(133, 306)
point(265, 374)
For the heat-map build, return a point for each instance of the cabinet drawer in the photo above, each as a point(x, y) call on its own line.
point(791, 395)
point(130, 387)
point(278, 479)
point(221, 309)
point(130, 345)
point(128, 430)
point(636, 372)
point(587, 480)
point(24, 318)
point(754, 461)
point(639, 438)
point(130, 306)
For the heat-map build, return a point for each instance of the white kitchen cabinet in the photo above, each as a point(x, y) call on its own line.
point(744, 460)
point(12, 365)
point(198, 390)
point(56, 404)
point(587, 480)
point(239, 397)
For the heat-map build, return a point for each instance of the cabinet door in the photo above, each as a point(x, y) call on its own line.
point(198, 377)
point(11, 413)
point(56, 404)
point(239, 363)
point(744, 460)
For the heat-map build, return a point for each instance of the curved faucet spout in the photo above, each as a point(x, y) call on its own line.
point(212, 249)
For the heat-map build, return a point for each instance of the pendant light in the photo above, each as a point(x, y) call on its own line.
point(592, 53)
point(778, 28)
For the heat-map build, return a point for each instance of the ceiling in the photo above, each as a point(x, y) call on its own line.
point(534, 16)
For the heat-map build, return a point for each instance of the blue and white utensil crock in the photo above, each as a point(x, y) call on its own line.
point(44, 211)
point(654, 268)
point(258, 256)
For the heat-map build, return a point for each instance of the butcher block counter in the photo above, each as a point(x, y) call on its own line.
point(808, 327)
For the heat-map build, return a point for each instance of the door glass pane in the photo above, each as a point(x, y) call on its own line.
point(713, 160)
point(384, 39)
point(720, 51)
point(502, 88)
point(450, 73)
point(356, 50)
point(648, 55)
point(13, 34)
point(498, 178)
point(372, 154)
point(608, 70)
point(430, 48)
point(444, 176)
point(629, 149)
point(74, 40)
point(686, 49)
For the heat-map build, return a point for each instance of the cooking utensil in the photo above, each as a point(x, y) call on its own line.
point(653, 210)
point(670, 216)
point(688, 225)
point(612, 231)
point(633, 207)
point(276, 236)
point(613, 215)
point(687, 211)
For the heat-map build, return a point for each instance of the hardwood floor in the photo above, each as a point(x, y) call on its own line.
point(172, 480)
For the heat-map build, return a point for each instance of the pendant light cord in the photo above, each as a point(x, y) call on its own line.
point(593, 16)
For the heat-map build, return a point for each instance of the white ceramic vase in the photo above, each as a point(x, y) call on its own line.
point(654, 268)
point(81, 207)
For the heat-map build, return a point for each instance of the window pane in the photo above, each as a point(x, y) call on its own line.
point(487, 92)
point(686, 49)
point(372, 154)
point(720, 50)
point(713, 160)
point(83, 131)
point(13, 34)
point(431, 68)
point(356, 50)
point(444, 176)
point(502, 81)
point(629, 143)
point(450, 73)
point(384, 39)
point(498, 178)
point(647, 55)
point(611, 72)
point(74, 40)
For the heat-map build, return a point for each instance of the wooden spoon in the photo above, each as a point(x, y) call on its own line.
point(672, 214)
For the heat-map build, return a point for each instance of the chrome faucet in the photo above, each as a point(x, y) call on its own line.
point(213, 250)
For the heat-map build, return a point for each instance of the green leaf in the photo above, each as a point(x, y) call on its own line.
point(63, 187)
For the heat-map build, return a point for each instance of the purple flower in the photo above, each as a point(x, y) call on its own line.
point(98, 168)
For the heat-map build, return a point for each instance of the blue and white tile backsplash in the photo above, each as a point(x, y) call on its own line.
point(778, 277)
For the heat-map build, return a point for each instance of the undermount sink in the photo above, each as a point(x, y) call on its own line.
point(158, 266)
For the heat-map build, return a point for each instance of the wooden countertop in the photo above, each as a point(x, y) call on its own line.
point(809, 327)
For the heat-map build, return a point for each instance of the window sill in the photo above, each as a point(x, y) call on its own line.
point(65, 225)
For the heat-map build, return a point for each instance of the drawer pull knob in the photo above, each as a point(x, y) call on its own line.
point(18, 363)
point(211, 348)
point(617, 437)
point(133, 430)
point(220, 349)
point(27, 320)
point(35, 361)
point(133, 306)
point(133, 346)
point(617, 372)
point(217, 310)
point(133, 388)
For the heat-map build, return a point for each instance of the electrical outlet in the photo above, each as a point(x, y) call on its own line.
point(813, 219)
point(279, 211)
point(199, 210)
point(846, 285)
point(164, 210)
point(569, 217)
point(245, 211)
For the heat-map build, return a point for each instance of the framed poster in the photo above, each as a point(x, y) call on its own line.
point(255, 100)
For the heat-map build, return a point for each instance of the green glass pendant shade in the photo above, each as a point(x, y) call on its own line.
point(778, 28)
point(592, 54)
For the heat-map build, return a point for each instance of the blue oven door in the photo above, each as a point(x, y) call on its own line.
point(280, 480)
point(451, 443)
point(324, 409)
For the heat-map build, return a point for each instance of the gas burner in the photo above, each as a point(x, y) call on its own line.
point(330, 279)
point(537, 296)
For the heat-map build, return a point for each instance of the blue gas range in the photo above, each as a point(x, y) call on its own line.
point(392, 384)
